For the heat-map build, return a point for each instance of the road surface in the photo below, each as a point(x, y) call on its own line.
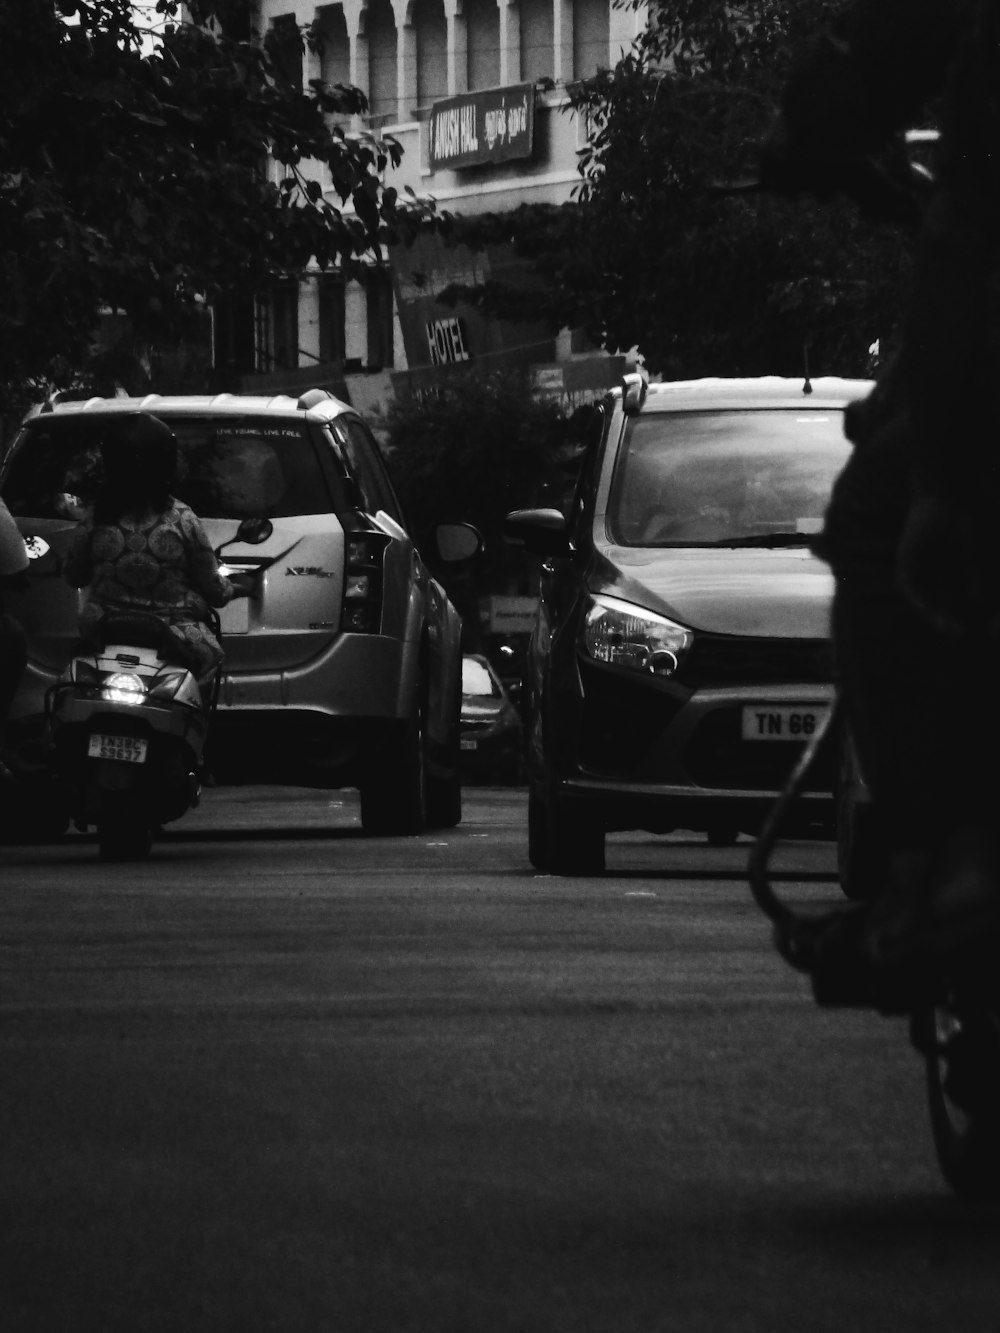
point(285, 1077)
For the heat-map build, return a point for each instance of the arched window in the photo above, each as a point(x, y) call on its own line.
point(537, 55)
point(482, 21)
point(284, 44)
point(591, 37)
point(335, 45)
point(431, 28)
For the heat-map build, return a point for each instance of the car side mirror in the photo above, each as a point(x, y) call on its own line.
point(542, 531)
point(457, 542)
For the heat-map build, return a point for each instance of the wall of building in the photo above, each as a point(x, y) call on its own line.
point(407, 56)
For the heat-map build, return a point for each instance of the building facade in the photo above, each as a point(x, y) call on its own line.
point(475, 91)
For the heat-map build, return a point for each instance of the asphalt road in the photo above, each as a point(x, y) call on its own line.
point(284, 1077)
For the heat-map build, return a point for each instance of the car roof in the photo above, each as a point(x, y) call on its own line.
point(762, 391)
point(314, 405)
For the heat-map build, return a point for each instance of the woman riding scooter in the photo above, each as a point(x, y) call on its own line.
point(144, 551)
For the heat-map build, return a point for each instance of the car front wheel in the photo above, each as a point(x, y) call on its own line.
point(444, 790)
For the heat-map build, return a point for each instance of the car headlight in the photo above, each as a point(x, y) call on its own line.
point(625, 635)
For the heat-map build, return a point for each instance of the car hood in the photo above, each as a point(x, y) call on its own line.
point(765, 593)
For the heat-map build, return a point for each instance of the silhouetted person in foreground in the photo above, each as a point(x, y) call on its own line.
point(911, 531)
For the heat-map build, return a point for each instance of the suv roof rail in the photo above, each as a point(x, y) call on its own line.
point(634, 386)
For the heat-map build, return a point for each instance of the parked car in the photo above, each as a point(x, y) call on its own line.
point(681, 652)
point(344, 666)
point(491, 723)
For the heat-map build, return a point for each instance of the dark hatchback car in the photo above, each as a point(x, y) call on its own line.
point(681, 656)
point(491, 742)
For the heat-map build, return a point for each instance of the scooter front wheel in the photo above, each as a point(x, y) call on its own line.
point(117, 841)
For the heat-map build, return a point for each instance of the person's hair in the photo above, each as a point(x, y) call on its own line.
point(139, 454)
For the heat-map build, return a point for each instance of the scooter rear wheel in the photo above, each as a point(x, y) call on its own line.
point(123, 842)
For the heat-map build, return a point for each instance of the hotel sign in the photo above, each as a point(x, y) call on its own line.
point(492, 126)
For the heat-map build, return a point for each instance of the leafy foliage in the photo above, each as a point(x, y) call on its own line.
point(132, 175)
point(657, 250)
point(475, 450)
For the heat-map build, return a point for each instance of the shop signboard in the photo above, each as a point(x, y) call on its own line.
point(492, 125)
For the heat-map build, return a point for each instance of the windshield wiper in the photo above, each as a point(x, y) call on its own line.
point(763, 539)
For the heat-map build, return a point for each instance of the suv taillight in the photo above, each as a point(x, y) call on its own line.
point(361, 612)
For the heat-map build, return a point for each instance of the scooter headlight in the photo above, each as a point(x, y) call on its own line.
point(124, 687)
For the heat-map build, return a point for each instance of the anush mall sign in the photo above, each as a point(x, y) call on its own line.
point(496, 125)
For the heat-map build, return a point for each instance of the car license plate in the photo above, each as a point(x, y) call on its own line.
point(131, 749)
point(234, 617)
point(782, 722)
point(467, 743)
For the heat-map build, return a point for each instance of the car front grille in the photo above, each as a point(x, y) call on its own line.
point(719, 660)
point(717, 756)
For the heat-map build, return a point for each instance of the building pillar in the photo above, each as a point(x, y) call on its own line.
point(510, 42)
point(309, 321)
point(406, 61)
point(312, 61)
point(355, 323)
point(562, 41)
point(355, 13)
point(458, 49)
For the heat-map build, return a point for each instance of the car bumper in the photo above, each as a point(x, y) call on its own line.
point(481, 750)
point(682, 763)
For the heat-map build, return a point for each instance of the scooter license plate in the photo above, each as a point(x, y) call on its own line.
point(130, 749)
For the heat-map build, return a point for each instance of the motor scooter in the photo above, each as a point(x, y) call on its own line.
point(953, 1002)
point(127, 725)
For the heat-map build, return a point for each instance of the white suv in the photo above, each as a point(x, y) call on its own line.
point(344, 667)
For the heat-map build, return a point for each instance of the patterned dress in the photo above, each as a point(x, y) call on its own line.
point(158, 563)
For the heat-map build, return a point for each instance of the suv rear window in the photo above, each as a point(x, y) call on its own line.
point(230, 467)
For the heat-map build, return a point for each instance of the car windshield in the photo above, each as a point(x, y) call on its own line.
point(726, 478)
point(476, 679)
point(241, 467)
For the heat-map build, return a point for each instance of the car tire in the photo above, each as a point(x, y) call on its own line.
point(444, 793)
point(394, 790)
point(563, 839)
point(444, 801)
point(962, 1058)
point(538, 831)
point(862, 849)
